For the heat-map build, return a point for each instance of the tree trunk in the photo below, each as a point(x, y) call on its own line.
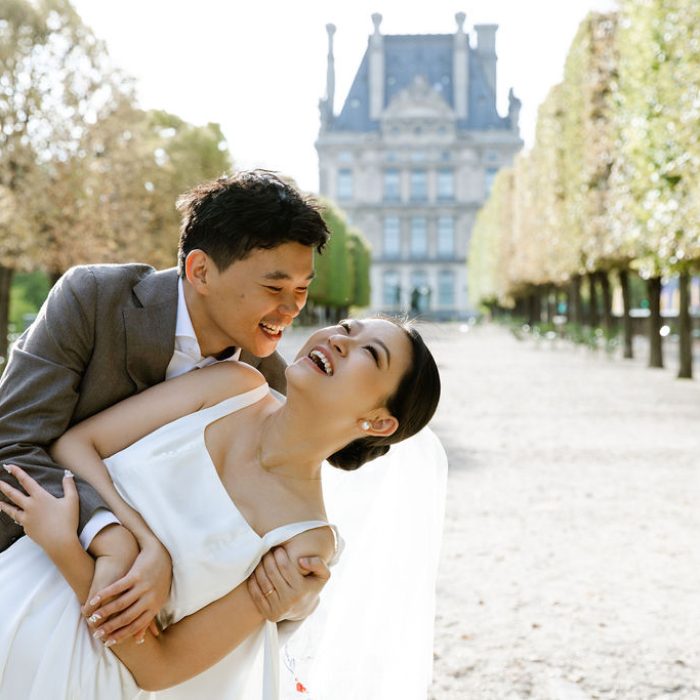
point(593, 317)
point(537, 305)
point(626, 318)
point(575, 299)
point(6, 274)
point(656, 354)
point(607, 302)
point(552, 297)
point(685, 329)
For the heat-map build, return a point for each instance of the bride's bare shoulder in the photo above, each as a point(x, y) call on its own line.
point(319, 542)
point(226, 379)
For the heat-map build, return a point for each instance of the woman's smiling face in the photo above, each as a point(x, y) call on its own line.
point(356, 365)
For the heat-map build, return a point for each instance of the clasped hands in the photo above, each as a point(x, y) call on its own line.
point(131, 581)
point(127, 607)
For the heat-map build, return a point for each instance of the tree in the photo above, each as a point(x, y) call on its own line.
point(361, 255)
point(657, 174)
point(54, 79)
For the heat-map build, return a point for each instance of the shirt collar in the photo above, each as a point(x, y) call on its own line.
point(183, 324)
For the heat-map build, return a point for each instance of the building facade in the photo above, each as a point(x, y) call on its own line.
point(411, 156)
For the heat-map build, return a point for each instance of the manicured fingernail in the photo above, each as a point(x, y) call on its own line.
point(141, 641)
point(68, 472)
point(94, 601)
point(98, 635)
point(110, 643)
point(6, 467)
point(94, 618)
point(304, 561)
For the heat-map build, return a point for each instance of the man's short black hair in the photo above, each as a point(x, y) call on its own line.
point(231, 216)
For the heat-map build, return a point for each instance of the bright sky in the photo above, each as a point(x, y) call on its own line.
point(258, 68)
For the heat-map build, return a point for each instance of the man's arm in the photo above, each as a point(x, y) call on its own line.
point(40, 387)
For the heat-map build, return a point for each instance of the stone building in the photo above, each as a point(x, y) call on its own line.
point(411, 157)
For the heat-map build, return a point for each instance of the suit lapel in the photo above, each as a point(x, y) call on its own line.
point(150, 328)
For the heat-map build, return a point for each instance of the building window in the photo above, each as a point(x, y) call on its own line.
point(419, 186)
point(445, 185)
point(445, 237)
point(446, 288)
point(392, 185)
point(420, 291)
point(344, 184)
point(392, 237)
point(489, 178)
point(419, 237)
point(391, 288)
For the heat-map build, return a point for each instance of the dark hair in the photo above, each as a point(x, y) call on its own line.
point(412, 404)
point(229, 217)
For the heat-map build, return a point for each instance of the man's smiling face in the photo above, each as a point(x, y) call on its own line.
point(251, 302)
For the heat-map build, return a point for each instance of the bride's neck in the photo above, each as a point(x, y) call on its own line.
point(292, 442)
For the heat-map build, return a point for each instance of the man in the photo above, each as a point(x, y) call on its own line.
point(106, 332)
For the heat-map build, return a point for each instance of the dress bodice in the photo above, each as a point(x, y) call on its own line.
point(169, 477)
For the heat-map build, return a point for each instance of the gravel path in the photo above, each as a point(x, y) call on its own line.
point(571, 557)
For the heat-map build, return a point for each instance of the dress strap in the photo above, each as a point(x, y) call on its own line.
point(234, 403)
point(286, 532)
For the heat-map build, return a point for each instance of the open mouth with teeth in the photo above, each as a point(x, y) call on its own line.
point(272, 331)
point(321, 361)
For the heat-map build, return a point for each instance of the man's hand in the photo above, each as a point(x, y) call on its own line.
point(129, 606)
point(282, 590)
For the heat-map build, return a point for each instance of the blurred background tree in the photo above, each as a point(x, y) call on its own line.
point(85, 175)
point(342, 272)
point(611, 184)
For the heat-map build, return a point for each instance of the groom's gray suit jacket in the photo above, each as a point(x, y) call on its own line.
point(105, 332)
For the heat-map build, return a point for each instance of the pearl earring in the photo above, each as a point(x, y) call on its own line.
point(366, 425)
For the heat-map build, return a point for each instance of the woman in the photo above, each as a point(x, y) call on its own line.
point(221, 472)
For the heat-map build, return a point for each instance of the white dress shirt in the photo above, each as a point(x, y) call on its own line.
point(187, 356)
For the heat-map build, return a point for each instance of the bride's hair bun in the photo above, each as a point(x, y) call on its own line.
point(356, 453)
point(412, 404)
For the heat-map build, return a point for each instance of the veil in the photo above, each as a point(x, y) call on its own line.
point(372, 635)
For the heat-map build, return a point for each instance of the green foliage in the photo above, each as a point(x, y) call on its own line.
point(342, 270)
point(657, 175)
point(491, 242)
point(26, 297)
point(361, 255)
point(613, 178)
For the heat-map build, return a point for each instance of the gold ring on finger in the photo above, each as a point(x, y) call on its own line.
point(270, 592)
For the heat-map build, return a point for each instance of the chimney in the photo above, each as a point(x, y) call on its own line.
point(460, 69)
point(376, 70)
point(486, 51)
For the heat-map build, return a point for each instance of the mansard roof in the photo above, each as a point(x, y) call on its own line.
point(429, 55)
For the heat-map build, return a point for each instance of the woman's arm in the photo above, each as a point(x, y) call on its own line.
point(184, 649)
point(86, 444)
point(145, 589)
point(191, 645)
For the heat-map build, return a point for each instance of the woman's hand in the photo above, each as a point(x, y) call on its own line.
point(51, 522)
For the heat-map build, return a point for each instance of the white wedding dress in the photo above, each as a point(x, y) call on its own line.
point(46, 649)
